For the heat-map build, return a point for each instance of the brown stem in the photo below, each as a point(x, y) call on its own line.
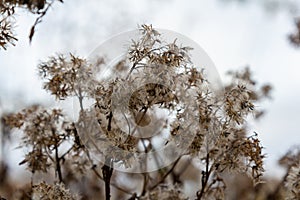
point(107, 171)
point(109, 121)
point(139, 60)
point(58, 168)
point(39, 20)
point(93, 168)
point(80, 98)
point(107, 168)
point(166, 174)
point(57, 158)
point(145, 175)
point(205, 177)
point(62, 157)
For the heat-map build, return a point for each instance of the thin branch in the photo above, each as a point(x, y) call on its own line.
point(139, 60)
point(38, 20)
point(80, 99)
point(107, 171)
point(109, 121)
point(62, 157)
point(57, 158)
point(93, 168)
point(205, 177)
point(146, 178)
point(166, 174)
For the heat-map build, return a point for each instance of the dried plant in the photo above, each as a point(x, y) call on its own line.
point(295, 37)
point(6, 26)
point(226, 159)
point(289, 187)
point(154, 74)
point(231, 149)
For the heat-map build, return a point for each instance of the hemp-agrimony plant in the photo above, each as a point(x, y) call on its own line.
point(152, 113)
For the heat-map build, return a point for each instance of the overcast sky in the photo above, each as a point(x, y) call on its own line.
point(233, 35)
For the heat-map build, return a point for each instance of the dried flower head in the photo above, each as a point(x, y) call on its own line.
point(295, 37)
point(292, 182)
point(67, 76)
point(45, 191)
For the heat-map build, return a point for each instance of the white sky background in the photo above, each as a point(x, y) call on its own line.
point(234, 35)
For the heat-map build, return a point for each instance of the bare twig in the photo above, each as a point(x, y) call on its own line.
point(205, 177)
point(107, 171)
point(57, 158)
point(39, 20)
point(166, 174)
